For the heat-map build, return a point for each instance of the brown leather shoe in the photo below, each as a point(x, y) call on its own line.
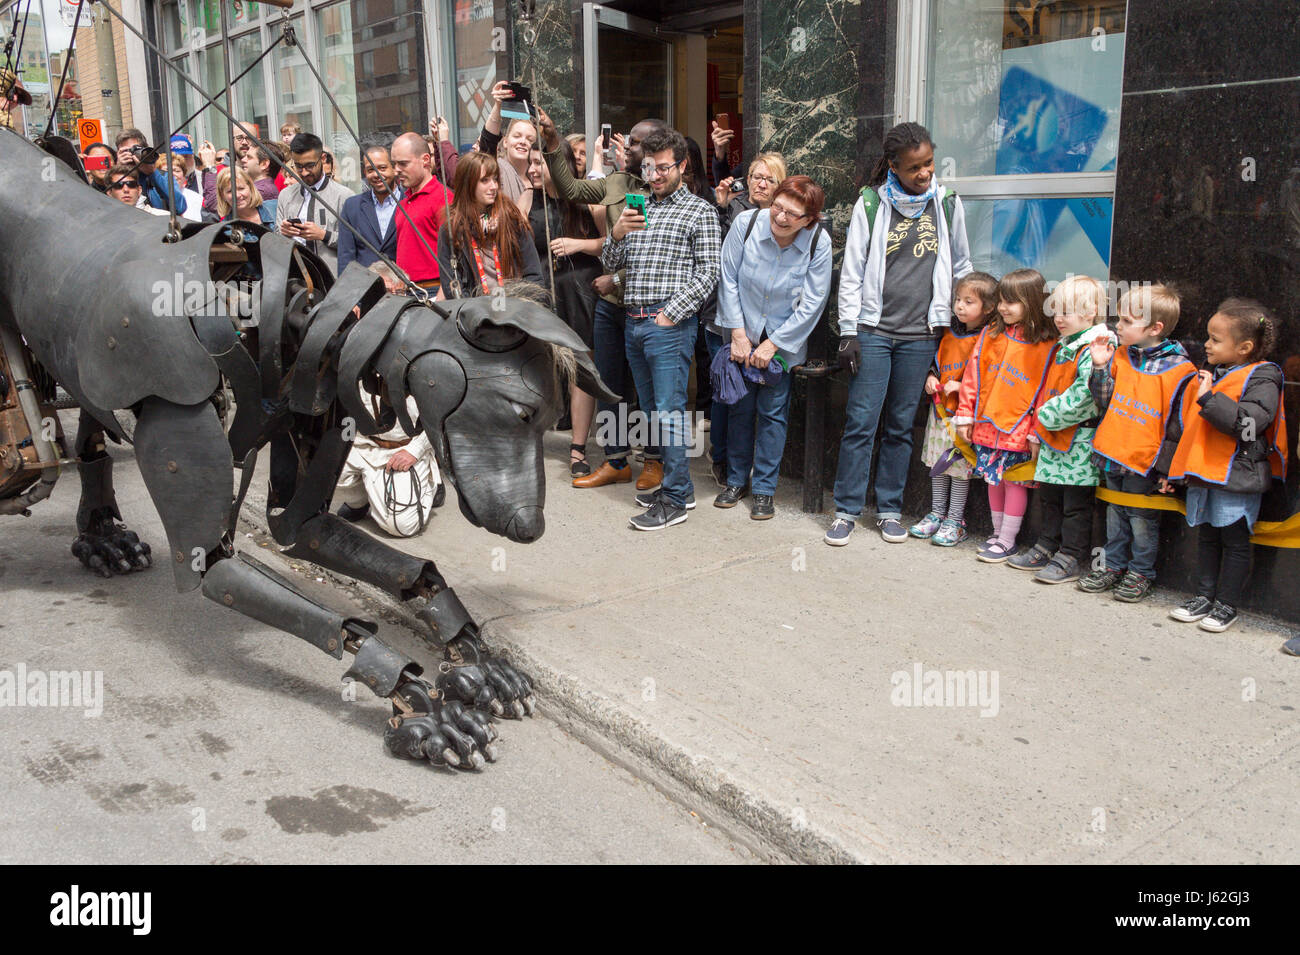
point(652, 475)
point(605, 474)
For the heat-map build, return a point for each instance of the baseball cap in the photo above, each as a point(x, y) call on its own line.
point(181, 145)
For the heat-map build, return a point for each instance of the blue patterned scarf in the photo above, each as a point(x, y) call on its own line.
point(902, 200)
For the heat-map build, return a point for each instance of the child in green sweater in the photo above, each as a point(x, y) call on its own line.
point(1067, 419)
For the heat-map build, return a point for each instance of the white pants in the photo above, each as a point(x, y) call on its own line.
point(400, 501)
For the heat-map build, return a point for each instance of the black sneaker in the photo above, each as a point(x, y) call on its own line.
point(649, 498)
point(1193, 609)
point(761, 508)
point(352, 514)
point(1220, 618)
point(719, 469)
point(659, 515)
point(731, 496)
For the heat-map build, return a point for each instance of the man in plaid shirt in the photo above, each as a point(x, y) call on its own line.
point(672, 257)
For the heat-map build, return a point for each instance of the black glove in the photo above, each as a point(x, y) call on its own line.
point(850, 354)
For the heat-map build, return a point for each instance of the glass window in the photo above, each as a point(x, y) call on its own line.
point(1055, 236)
point(293, 85)
point(1025, 88)
point(250, 93)
point(475, 49)
point(367, 67)
point(634, 73)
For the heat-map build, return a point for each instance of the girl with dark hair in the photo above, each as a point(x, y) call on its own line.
point(996, 403)
point(906, 244)
point(492, 240)
point(571, 260)
point(1232, 448)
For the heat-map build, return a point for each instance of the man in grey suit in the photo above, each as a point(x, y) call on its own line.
point(299, 215)
point(371, 213)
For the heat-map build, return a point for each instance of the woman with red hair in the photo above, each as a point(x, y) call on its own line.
point(776, 277)
point(486, 241)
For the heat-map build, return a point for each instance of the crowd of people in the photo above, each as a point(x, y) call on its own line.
point(662, 266)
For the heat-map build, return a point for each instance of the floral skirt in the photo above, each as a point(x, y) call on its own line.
point(937, 443)
point(992, 463)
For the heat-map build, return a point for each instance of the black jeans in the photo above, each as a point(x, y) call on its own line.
point(1223, 562)
point(1067, 519)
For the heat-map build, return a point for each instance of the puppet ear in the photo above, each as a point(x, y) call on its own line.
point(500, 324)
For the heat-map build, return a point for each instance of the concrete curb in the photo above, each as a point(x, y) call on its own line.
point(764, 826)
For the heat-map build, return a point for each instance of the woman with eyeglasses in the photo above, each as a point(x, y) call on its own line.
point(765, 172)
point(776, 277)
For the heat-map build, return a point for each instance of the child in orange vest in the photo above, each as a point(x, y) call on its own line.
point(995, 406)
point(1233, 446)
point(1067, 419)
point(1137, 390)
point(975, 301)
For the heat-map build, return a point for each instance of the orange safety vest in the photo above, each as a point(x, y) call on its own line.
point(1060, 376)
point(954, 351)
point(1133, 428)
point(1009, 373)
point(1207, 453)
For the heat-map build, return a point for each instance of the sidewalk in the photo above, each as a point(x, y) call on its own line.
point(760, 668)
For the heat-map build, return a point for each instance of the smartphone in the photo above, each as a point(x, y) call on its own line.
point(518, 91)
point(635, 201)
point(95, 162)
point(723, 120)
point(605, 132)
point(294, 221)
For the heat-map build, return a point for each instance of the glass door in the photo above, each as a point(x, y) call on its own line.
point(628, 70)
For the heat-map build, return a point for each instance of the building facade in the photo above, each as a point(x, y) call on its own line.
point(1131, 140)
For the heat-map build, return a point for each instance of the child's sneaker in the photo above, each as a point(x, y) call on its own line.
point(996, 553)
point(950, 533)
point(1061, 569)
point(926, 527)
point(1132, 587)
point(1036, 558)
point(1193, 609)
point(1099, 581)
point(1219, 619)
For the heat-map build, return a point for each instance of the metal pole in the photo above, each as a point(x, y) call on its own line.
point(230, 110)
point(105, 53)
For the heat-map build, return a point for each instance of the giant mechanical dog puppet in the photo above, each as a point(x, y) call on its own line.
point(80, 281)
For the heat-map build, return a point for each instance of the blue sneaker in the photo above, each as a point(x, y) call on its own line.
point(950, 533)
point(927, 526)
point(838, 535)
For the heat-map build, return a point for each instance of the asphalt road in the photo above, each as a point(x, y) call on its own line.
point(223, 741)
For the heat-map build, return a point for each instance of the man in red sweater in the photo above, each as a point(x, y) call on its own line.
point(426, 201)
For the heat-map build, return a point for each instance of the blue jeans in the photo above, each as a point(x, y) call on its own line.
point(610, 354)
point(718, 412)
point(891, 379)
point(660, 359)
point(1132, 533)
point(756, 435)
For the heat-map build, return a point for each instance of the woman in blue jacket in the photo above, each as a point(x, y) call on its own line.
point(776, 277)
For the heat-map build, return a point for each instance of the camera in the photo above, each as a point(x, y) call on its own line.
point(738, 186)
